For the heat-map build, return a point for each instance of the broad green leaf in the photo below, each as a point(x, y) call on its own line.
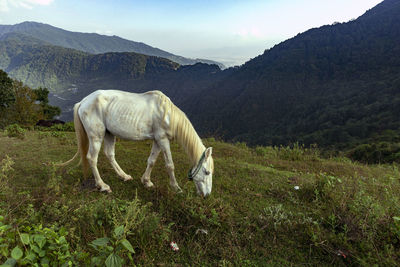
point(113, 260)
point(100, 242)
point(61, 240)
point(25, 239)
point(17, 253)
point(127, 245)
point(35, 248)
point(96, 261)
point(119, 231)
point(40, 240)
point(10, 262)
point(42, 253)
point(31, 256)
point(396, 218)
point(45, 261)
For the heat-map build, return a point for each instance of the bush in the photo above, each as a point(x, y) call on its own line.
point(293, 153)
point(14, 130)
point(66, 127)
point(34, 245)
point(382, 152)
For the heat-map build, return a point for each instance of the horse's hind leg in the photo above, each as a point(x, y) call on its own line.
point(109, 150)
point(155, 151)
point(93, 153)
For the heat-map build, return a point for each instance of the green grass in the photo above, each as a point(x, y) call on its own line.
point(344, 213)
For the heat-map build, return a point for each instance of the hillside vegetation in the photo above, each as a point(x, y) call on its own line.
point(337, 86)
point(40, 64)
point(269, 206)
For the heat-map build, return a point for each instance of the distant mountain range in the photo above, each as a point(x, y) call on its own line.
point(337, 86)
point(71, 74)
point(92, 42)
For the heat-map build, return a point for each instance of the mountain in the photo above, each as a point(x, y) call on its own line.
point(71, 74)
point(92, 42)
point(337, 85)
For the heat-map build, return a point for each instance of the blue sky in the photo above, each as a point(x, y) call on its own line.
point(230, 31)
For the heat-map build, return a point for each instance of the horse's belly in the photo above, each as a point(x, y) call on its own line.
point(124, 128)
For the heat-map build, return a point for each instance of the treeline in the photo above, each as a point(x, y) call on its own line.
point(20, 104)
point(336, 86)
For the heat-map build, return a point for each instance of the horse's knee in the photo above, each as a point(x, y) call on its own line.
point(91, 159)
point(109, 154)
point(170, 167)
point(151, 162)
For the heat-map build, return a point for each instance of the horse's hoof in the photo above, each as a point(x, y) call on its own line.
point(178, 190)
point(106, 190)
point(127, 178)
point(148, 184)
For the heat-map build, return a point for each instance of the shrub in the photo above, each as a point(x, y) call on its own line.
point(295, 152)
point(14, 130)
point(34, 245)
point(382, 152)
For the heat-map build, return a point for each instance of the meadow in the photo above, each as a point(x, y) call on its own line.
point(270, 206)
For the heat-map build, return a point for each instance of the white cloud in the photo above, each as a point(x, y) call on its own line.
point(4, 6)
point(104, 32)
point(28, 4)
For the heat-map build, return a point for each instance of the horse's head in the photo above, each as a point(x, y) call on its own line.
point(202, 173)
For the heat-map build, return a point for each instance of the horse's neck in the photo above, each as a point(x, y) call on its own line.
point(190, 141)
point(198, 149)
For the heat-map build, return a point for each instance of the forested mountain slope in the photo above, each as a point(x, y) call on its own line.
point(70, 74)
point(335, 85)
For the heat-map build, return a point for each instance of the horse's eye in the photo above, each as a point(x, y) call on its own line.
point(206, 172)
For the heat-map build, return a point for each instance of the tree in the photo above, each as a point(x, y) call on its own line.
point(25, 110)
point(42, 95)
point(6, 92)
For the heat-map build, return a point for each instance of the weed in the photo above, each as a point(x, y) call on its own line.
point(110, 251)
point(34, 245)
point(14, 130)
point(254, 216)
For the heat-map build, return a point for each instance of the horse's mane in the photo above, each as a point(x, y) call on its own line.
point(181, 129)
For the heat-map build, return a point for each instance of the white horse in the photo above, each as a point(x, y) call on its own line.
point(105, 114)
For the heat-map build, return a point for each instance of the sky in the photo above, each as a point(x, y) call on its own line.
point(229, 31)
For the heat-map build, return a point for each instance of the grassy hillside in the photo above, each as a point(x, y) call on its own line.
point(343, 213)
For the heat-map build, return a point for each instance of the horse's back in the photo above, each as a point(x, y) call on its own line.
point(127, 115)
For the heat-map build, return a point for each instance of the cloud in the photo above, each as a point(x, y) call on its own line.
point(4, 6)
point(104, 32)
point(27, 4)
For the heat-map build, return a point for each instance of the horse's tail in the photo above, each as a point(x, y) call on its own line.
point(82, 140)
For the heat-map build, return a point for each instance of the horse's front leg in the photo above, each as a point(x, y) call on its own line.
point(169, 164)
point(155, 151)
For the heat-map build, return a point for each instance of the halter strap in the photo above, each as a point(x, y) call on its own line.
point(192, 173)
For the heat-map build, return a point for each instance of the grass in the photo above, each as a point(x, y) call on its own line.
point(343, 213)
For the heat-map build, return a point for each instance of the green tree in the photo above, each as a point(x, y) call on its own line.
point(49, 112)
point(6, 92)
point(25, 110)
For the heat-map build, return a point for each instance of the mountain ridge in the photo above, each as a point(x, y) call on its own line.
point(92, 42)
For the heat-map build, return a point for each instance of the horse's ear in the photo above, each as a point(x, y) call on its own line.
point(208, 152)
